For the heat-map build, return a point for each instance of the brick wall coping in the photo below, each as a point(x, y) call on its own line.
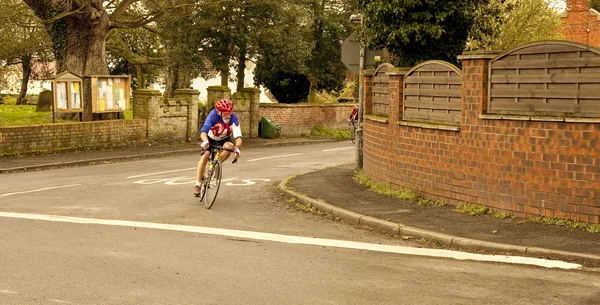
point(478, 55)
point(429, 126)
point(219, 88)
point(538, 118)
point(377, 118)
point(285, 105)
point(147, 92)
point(255, 90)
point(398, 71)
point(188, 91)
point(369, 72)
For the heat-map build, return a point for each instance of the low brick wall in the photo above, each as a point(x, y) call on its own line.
point(299, 119)
point(65, 136)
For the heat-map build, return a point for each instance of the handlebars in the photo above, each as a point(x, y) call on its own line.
point(212, 147)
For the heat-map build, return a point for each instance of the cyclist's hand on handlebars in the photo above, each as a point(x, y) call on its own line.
point(237, 152)
point(204, 145)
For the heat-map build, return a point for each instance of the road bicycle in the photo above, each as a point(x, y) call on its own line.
point(209, 188)
point(354, 124)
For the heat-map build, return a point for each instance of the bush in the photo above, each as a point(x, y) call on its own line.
point(9, 100)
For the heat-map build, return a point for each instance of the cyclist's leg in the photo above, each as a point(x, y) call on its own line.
point(227, 144)
point(202, 165)
point(203, 160)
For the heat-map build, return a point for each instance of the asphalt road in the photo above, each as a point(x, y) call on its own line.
point(132, 233)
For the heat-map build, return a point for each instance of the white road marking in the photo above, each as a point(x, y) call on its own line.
point(179, 181)
point(342, 148)
point(246, 182)
point(39, 190)
point(273, 157)
point(303, 240)
point(4, 291)
point(158, 173)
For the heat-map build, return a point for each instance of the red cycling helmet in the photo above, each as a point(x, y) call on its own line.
point(224, 105)
point(355, 107)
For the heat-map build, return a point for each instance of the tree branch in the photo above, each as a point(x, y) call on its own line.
point(116, 45)
point(121, 8)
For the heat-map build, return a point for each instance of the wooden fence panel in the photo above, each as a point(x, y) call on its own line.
point(381, 91)
point(546, 79)
point(432, 93)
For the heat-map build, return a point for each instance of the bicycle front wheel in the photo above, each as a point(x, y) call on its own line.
point(213, 182)
point(353, 136)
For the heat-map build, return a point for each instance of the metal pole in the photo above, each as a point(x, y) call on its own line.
point(359, 130)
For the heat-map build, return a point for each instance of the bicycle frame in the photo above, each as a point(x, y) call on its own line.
point(212, 180)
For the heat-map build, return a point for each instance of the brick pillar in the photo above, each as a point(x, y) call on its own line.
point(254, 115)
point(146, 106)
point(191, 96)
point(241, 107)
point(368, 91)
point(216, 93)
point(475, 69)
point(396, 93)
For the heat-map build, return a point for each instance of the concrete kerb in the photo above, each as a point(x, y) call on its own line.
point(148, 155)
point(396, 229)
point(97, 160)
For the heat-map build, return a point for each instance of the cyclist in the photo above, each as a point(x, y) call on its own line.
point(220, 125)
point(353, 118)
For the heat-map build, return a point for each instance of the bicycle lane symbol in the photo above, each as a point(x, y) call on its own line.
point(188, 180)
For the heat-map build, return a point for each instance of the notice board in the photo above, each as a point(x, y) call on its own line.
point(67, 93)
point(110, 93)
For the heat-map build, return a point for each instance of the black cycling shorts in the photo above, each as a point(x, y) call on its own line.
point(220, 142)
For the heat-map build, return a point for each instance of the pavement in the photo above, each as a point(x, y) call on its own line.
point(334, 191)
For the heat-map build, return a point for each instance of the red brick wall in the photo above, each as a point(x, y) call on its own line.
point(527, 168)
point(55, 137)
point(580, 23)
point(299, 119)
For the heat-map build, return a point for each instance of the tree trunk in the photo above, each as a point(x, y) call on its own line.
point(184, 78)
point(225, 77)
point(141, 77)
point(26, 65)
point(171, 82)
point(85, 50)
point(78, 39)
point(241, 70)
point(312, 94)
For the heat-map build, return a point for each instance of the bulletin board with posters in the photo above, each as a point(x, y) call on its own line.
point(110, 93)
point(67, 93)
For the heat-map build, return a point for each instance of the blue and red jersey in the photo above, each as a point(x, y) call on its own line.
point(217, 129)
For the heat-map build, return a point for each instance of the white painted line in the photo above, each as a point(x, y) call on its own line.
point(273, 157)
point(333, 149)
point(4, 291)
point(304, 240)
point(39, 190)
point(158, 173)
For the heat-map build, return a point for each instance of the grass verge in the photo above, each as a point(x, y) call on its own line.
point(326, 132)
point(405, 193)
point(592, 228)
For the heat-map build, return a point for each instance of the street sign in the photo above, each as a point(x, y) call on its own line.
point(351, 54)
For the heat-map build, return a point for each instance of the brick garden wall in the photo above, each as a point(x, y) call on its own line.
point(299, 119)
point(524, 165)
point(64, 136)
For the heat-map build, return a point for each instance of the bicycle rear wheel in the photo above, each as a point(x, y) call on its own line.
point(213, 182)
